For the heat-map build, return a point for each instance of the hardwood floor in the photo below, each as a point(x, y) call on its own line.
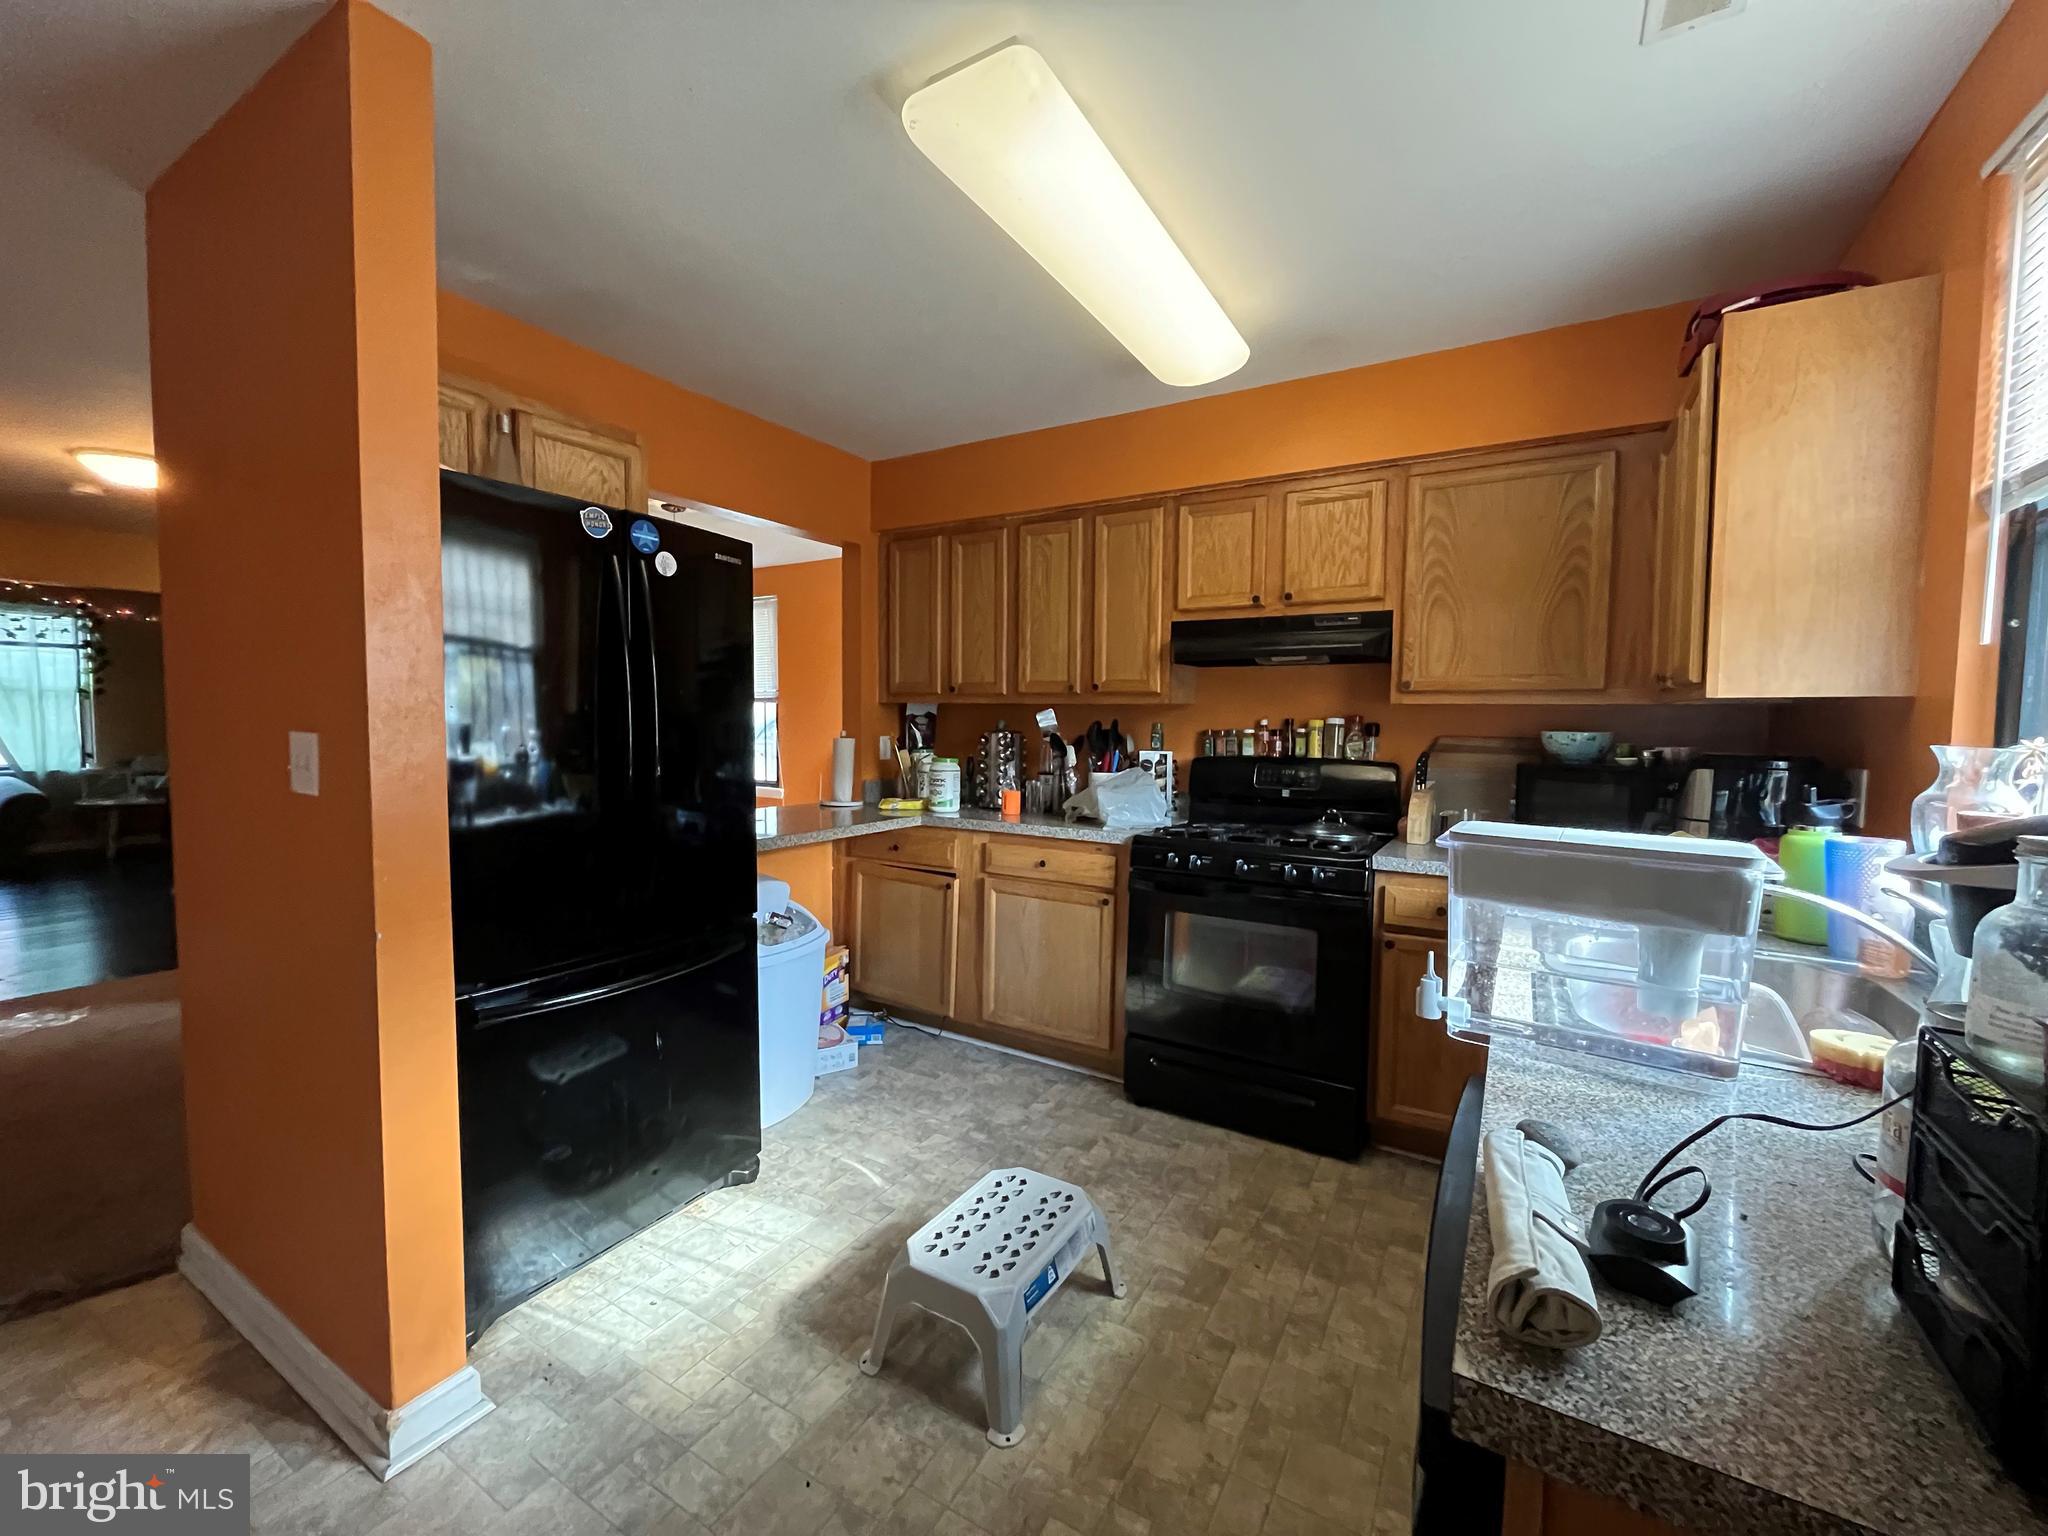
point(81, 919)
point(1260, 1376)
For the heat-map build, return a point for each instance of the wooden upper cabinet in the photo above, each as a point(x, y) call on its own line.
point(913, 615)
point(1333, 543)
point(1051, 601)
point(978, 611)
point(1507, 573)
point(465, 425)
point(1821, 438)
point(573, 460)
point(1685, 494)
point(1221, 542)
point(1128, 629)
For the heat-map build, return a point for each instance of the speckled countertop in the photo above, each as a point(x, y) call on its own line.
point(792, 826)
point(1411, 859)
point(1792, 1394)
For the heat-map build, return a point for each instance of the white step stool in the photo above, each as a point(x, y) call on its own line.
point(987, 1264)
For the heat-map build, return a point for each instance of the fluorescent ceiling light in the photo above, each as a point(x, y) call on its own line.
point(134, 471)
point(1006, 132)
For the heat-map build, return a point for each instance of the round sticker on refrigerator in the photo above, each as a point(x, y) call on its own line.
point(596, 521)
point(645, 536)
point(665, 563)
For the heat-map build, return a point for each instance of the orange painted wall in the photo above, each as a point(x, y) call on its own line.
point(809, 872)
point(34, 550)
point(1936, 217)
point(295, 241)
point(811, 697)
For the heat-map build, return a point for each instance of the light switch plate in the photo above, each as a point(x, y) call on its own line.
point(305, 762)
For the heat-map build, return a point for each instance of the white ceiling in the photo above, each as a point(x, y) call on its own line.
point(773, 543)
point(720, 192)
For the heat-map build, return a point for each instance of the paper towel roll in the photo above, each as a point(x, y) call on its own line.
point(842, 768)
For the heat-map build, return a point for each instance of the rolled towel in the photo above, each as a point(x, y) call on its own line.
point(1537, 1289)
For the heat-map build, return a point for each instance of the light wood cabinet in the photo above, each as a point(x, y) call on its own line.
point(1333, 544)
point(913, 616)
point(465, 423)
point(1048, 953)
point(977, 608)
point(901, 924)
point(1685, 490)
point(1505, 587)
point(1051, 604)
point(572, 460)
point(1418, 1071)
point(1128, 601)
point(1220, 540)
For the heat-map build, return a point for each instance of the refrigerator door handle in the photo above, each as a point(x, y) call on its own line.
point(615, 738)
point(641, 651)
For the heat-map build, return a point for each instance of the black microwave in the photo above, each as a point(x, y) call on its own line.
point(1596, 796)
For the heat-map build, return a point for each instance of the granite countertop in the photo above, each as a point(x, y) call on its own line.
point(1793, 1393)
point(792, 826)
point(1411, 859)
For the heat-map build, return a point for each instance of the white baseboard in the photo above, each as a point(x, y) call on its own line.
point(387, 1439)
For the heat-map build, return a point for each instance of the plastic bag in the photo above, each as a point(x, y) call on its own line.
point(1127, 799)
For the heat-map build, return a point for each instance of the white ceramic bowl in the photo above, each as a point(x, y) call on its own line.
point(1577, 746)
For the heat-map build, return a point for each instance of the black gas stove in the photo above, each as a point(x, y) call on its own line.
point(1249, 978)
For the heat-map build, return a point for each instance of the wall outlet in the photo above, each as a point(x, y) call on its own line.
point(305, 762)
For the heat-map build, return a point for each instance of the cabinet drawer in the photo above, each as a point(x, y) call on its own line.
point(1415, 902)
point(1044, 858)
point(918, 847)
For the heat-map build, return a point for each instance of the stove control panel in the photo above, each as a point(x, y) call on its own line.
point(1331, 874)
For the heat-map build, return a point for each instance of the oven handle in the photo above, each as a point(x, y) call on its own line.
point(1240, 1086)
point(1149, 883)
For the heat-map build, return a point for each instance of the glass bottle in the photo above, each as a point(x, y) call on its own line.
point(1247, 742)
point(1929, 818)
point(1354, 739)
point(2007, 1021)
point(1894, 1140)
point(1315, 735)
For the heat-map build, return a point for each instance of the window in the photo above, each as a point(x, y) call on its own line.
point(767, 730)
point(46, 668)
point(2019, 451)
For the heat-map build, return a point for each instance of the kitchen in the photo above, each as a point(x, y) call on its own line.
point(1545, 522)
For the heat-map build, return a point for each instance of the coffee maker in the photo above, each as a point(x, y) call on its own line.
point(1746, 798)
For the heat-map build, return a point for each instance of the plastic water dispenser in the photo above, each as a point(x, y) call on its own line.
point(1618, 943)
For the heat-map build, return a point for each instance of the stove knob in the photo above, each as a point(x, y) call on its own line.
point(1243, 866)
point(1172, 860)
point(1198, 861)
point(1322, 875)
point(1290, 872)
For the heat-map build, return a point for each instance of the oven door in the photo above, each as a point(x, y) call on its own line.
point(1277, 978)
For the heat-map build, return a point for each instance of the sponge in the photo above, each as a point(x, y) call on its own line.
point(1850, 1055)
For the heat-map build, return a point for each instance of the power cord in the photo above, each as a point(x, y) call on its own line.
point(884, 1017)
point(1653, 1185)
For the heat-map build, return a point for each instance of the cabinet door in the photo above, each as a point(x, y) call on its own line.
point(570, 460)
point(1051, 562)
point(1418, 1071)
point(1129, 600)
point(1685, 496)
point(1047, 959)
point(903, 927)
point(1221, 559)
point(1333, 543)
point(1506, 582)
point(913, 616)
point(465, 421)
point(978, 611)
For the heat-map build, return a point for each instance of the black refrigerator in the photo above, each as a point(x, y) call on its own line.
point(599, 691)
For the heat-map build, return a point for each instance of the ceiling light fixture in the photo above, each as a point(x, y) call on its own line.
point(1005, 132)
point(131, 471)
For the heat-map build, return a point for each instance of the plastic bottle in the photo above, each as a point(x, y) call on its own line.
point(2007, 1021)
point(1803, 852)
point(1894, 1140)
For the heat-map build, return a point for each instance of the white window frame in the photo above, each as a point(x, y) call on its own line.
point(770, 696)
point(2023, 156)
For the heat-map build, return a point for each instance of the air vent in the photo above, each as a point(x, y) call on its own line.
point(1670, 18)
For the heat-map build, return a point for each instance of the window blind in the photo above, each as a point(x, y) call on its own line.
point(2023, 421)
point(765, 651)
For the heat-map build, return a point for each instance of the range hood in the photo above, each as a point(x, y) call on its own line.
point(1284, 640)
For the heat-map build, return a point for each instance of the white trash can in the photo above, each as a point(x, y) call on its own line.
point(791, 964)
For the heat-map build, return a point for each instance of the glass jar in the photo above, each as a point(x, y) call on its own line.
point(2007, 1021)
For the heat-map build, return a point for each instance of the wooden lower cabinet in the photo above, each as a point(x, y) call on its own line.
point(1535, 1505)
point(1048, 953)
point(1418, 1071)
point(901, 924)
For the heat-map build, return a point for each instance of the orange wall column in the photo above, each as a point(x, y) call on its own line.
point(292, 360)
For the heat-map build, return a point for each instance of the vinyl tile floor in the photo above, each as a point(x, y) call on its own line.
point(1260, 1376)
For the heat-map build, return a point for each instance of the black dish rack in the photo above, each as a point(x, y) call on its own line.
point(1967, 1260)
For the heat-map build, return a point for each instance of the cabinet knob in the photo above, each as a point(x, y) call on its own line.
point(1386, 943)
point(895, 847)
point(1443, 911)
point(1041, 863)
point(1104, 902)
point(952, 687)
point(1095, 685)
point(1258, 601)
point(1286, 597)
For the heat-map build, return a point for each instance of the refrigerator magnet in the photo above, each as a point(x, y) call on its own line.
point(644, 535)
point(665, 563)
point(596, 521)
